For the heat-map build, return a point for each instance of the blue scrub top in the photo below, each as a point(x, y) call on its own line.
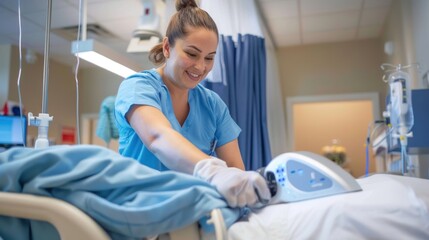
point(208, 122)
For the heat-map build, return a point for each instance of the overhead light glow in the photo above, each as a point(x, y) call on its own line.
point(104, 57)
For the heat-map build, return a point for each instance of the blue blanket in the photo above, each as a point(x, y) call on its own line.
point(127, 199)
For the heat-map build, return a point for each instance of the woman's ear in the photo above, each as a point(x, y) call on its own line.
point(166, 47)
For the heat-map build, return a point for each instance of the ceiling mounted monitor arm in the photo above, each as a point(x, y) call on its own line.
point(147, 33)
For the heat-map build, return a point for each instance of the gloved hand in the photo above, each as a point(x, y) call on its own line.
point(239, 188)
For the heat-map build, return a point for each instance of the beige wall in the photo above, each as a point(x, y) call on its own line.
point(353, 67)
point(329, 69)
point(5, 52)
point(61, 92)
point(95, 85)
point(315, 126)
point(399, 30)
point(394, 32)
point(332, 68)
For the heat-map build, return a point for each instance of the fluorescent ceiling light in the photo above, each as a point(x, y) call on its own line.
point(104, 57)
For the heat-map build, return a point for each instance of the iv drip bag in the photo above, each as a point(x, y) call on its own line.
point(401, 110)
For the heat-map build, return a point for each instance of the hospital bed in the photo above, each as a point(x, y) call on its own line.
point(91, 192)
point(72, 223)
point(389, 207)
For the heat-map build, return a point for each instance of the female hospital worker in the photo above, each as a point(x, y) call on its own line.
point(168, 121)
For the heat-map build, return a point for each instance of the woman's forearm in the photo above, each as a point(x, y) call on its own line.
point(168, 145)
point(175, 151)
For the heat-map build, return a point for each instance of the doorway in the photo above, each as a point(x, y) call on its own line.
point(88, 131)
point(317, 121)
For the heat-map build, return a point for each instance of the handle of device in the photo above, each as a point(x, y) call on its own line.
point(270, 179)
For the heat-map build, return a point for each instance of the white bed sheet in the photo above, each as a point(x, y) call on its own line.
point(389, 207)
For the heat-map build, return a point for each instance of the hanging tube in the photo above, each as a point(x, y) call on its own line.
point(46, 59)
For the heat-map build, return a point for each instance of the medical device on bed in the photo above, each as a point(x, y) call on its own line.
point(400, 110)
point(296, 176)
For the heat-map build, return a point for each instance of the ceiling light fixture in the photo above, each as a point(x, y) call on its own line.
point(104, 57)
point(96, 53)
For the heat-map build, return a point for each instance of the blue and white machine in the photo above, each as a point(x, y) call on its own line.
point(400, 111)
point(296, 176)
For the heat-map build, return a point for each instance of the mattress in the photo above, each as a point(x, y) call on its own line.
point(389, 207)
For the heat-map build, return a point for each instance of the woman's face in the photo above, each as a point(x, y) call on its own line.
point(191, 58)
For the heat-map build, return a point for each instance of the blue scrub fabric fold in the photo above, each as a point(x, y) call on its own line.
point(127, 199)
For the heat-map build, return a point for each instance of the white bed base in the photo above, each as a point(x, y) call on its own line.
point(71, 223)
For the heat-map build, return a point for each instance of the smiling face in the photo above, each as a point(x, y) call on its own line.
point(190, 59)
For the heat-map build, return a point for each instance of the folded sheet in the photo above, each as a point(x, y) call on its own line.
point(127, 199)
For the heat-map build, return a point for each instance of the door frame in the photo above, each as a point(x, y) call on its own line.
point(291, 101)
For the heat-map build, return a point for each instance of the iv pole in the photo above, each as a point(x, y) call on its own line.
point(42, 121)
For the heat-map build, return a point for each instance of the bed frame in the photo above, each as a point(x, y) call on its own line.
point(71, 223)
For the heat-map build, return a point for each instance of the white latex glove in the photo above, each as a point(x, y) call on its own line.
point(239, 188)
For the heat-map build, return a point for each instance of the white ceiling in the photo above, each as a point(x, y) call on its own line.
point(290, 22)
point(297, 22)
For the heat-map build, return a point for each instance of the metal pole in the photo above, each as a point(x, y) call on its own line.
point(84, 19)
point(46, 59)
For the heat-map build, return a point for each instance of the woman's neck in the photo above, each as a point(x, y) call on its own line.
point(177, 93)
point(179, 97)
